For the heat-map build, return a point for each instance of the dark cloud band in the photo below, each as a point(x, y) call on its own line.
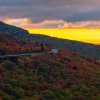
point(37, 10)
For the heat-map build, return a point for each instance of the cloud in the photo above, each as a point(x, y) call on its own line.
point(17, 21)
point(93, 14)
point(27, 23)
point(82, 24)
point(40, 10)
point(49, 2)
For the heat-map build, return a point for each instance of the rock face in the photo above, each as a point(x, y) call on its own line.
point(13, 30)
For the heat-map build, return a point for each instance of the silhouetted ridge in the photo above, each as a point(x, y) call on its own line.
point(13, 30)
point(90, 50)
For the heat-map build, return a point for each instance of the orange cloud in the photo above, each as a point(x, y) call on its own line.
point(27, 23)
point(17, 21)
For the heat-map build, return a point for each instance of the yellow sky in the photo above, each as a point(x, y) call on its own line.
point(82, 34)
point(63, 29)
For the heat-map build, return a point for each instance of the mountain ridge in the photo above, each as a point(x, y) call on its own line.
point(65, 75)
point(90, 50)
point(87, 49)
point(13, 30)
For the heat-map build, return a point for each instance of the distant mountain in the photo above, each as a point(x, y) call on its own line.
point(87, 49)
point(13, 30)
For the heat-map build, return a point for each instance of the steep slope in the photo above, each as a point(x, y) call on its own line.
point(90, 50)
point(15, 45)
point(14, 31)
point(62, 76)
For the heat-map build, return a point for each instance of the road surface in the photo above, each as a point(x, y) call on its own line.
point(27, 54)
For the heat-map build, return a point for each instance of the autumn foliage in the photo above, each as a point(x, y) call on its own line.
point(11, 45)
point(64, 75)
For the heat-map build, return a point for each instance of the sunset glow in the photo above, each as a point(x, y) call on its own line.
point(84, 35)
point(85, 31)
point(68, 19)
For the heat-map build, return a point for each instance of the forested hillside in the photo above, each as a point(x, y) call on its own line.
point(14, 45)
point(13, 30)
point(62, 76)
point(90, 50)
